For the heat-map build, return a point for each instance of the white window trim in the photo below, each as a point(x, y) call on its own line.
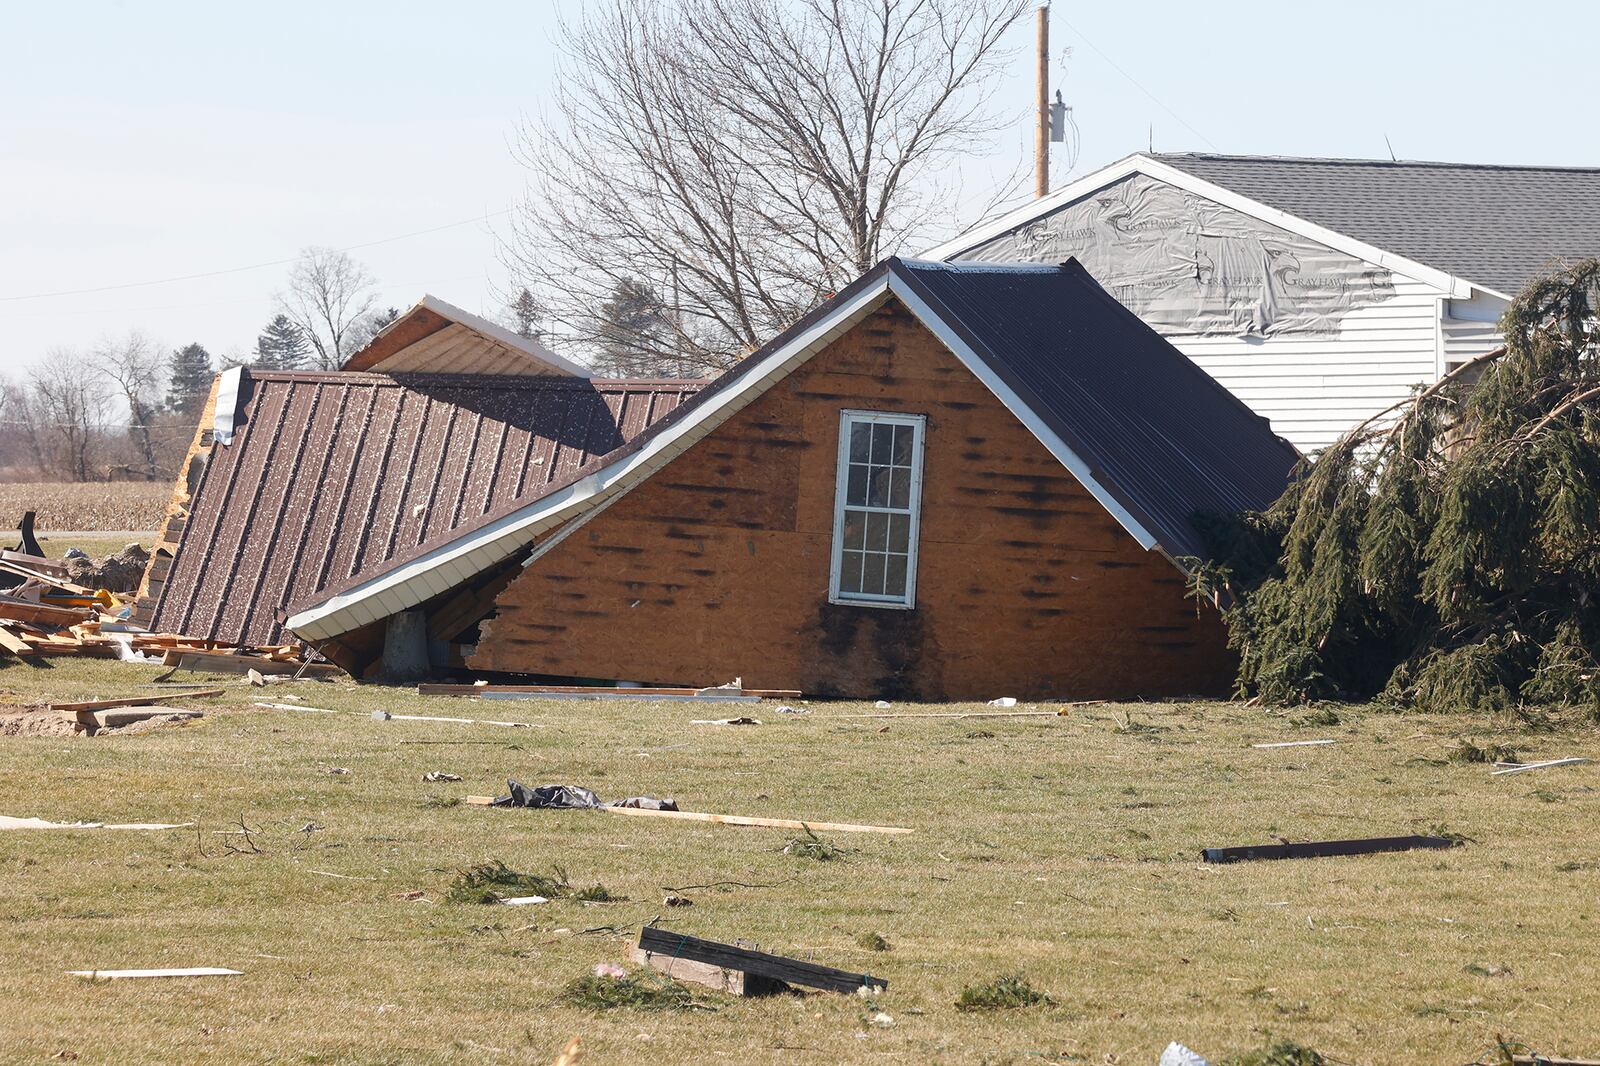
point(919, 425)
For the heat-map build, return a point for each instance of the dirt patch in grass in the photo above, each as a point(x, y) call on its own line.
point(38, 722)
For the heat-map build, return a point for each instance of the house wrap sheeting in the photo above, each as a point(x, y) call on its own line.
point(330, 474)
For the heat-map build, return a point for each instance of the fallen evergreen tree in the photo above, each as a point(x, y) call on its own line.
point(1445, 554)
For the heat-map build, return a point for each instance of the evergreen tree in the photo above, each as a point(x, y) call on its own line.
point(632, 329)
point(1443, 554)
point(189, 379)
point(526, 313)
point(282, 346)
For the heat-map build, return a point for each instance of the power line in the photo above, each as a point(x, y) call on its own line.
point(253, 266)
point(1135, 82)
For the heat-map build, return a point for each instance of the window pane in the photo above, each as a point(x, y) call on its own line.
point(879, 496)
point(894, 582)
point(882, 443)
point(856, 491)
point(902, 444)
point(900, 488)
point(860, 436)
point(877, 531)
point(899, 533)
point(850, 572)
point(872, 579)
point(855, 529)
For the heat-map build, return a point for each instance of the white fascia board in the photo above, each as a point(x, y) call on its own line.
point(1025, 414)
point(528, 346)
point(1447, 284)
point(501, 538)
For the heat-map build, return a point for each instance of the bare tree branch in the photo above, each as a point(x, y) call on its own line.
point(741, 160)
point(329, 297)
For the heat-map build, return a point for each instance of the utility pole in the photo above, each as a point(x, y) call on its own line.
point(1041, 136)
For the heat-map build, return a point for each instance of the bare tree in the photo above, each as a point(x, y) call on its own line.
point(745, 158)
point(72, 404)
point(329, 297)
point(137, 367)
point(21, 443)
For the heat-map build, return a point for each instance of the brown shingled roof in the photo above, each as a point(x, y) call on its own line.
point(331, 475)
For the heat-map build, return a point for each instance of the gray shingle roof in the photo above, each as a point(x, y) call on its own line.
point(1498, 226)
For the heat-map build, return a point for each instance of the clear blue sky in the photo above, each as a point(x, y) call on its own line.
point(141, 141)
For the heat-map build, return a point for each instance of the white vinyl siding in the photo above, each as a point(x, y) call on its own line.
point(1315, 386)
point(877, 503)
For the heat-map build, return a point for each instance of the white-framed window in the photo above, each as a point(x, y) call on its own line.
point(877, 503)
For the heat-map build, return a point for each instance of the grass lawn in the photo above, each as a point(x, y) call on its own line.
point(1064, 849)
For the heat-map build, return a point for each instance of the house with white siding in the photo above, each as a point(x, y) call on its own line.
point(1320, 291)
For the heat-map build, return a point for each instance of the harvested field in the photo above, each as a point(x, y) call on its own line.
point(109, 505)
point(1065, 851)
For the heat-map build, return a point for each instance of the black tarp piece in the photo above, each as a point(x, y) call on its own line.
point(572, 797)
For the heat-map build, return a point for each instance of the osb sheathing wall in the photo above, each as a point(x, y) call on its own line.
point(717, 567)
point(177, 512)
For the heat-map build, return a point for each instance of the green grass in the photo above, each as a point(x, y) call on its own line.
point(1066, 849)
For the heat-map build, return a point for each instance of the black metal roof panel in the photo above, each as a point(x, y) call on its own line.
point(1157, 432)
point(1498, 226)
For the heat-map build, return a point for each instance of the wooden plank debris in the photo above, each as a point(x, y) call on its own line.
point(136, 701)
point(34, 562)
point(39, 614)
point(7, 822)
point(1295, 744)
point(722, 978)
point(190, 971)
point(729, 819)
point(1326, 848)
point(216, 662)
point(1522, 768)
point(790, 971)
point(15, 644)
point(45, 579)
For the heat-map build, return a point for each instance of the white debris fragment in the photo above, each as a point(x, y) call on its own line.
point(882, 1021)
point(523, 901)
point(1178, 1055)
point(883, 705)
point(1004, 701)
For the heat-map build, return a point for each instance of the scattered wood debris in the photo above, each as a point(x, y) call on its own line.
point(666, 946)
point(1524, 767)
point(1326, 848)
point(191, 971)
point(727, 819)
point(1295, 744)
point(7, 822)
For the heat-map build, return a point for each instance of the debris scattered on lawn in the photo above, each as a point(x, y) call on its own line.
point(1062, 713)
point(609, 969)
point(342, 877)
point(1327, 848)
point(571, 797)
point(7, 822)
point(883, 705)
point(873, 942)
point(1522, 768)
point(731, 693)
point(493, 881)
point(786, 709)
point(622, 807)
point(674, 945)
point(1009, 992)
point(338, 771)
point(192, 971)
point(384, 716)
point(598, 894)
point(725, 721)
point(1290, 744)
point(596, 991)
point(1175, 1054)
point(522, 901)
point(440, 775)
point(677, 901)
point(881, 1020)
point(1004, 701)
point(812, 846)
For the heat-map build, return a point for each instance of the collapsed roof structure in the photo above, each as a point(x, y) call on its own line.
point(1039, 460)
